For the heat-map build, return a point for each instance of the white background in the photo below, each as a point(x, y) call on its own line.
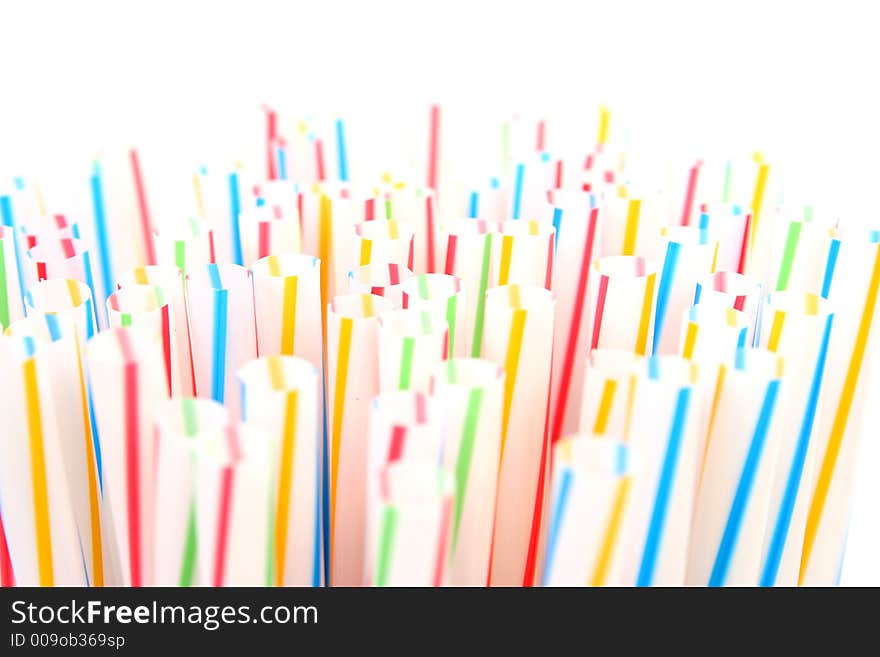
point(795, 80)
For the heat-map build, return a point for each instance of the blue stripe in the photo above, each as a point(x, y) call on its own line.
point(8, 219)
point(234, 211)
point(740, 358)
point(697, 294)
point(282, 162)
point(53, 326)
point(101, 231)
point(829, 267)
point(243, 397)
point(474, 205)
point(218, 383)
point(340, 151)
point(653, 368)
point(792, 485)
point(90, 283)
point(744, 489)
point(557, 224)
point(325, 503)
point(96, 441)
point(556, 522)
point(670, 261)
point(214, 276)
point(30, 346)
point(517, 189)
point(664, 491)
point(316, 550)
point(741, 340)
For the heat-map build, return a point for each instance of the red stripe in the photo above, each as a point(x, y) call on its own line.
point(393, 273)
point(450, 253)
point(370, 209)
point(404, 299)
point(589, 163)
point(445, 345)
point(271, 137)
point(689, 195)
point(558, 174)
point(166, 343)
point(434, 147)
point(7, 577)
point(741, 267)
point(539, 142)
point(740, 302)
point(299, 209)
point(132, 457)
point(319, 159)
point(378, 291)
point(263, 239)
point(548, 277)
point(41, 271)
point(443, 541)
point(395, 447)
point(409, 260)
point(211, 255)
point(60, 221)
point(421, 411)
point(31, 241)
point(600, 309)
point(538, 512)
point(67, 247)
point(143, 208)
point(429, 228)
point(227, 481)
point(574, 330)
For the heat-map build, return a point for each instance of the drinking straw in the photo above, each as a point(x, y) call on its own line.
point(798, 245)
point(222, 345)
point(268, 230)
point(526, 253)
point(403, 426)
point(14, 261)
point(234, 214)
point(287, 303)
point(470, 394)
point(383, 242)
point(128, 382)
point(434, 148)
point(63, 348)
point(688, 255)
point(66, 257)
point(619, 287)
point(281, 394)
point(609, 384)
point(711, 334)
point(418, 207)
point(234, 496)
point(725, 289)
point(519, 337)
point(577, 223)
point(38, 517)
point(380, 279)
point(64, 298)
point(11, 307)
point(411, 343)
point(413, 534)
point(341, 152)
point(690, 193)
point(102, 235)
point(182, 424)
point(352, 381)
point(592, 480)
point(665, 432)
point(736, 476)
point(443, 296)
point(146, 306)
point(853, 280)
point(469, 257)
point(271, 141)
point(185, 244)
point(631, 225)
point(143, 207)
point(799, 326)
point(7, 576)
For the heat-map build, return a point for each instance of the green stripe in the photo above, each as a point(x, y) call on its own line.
point(126, 319)
point(505, 146)
point(386, 545)
point(791, 240)
point(808, 213)
point(426, 322)
point(450, 370)
point(725, 190)
point(423, 286)
point(180, 255)
point(465, 452)
point(188, 568)
point(388, 208)
point(451, 310)
point(406, 359)
point(190, 421)
point(4, 293)
point(477, 346)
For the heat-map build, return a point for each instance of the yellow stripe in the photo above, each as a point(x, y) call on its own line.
point(367, 305)
point(722, 371)
point(345, 327)
point(41, 202)
point(506, 252)
point(73, 291)
point(731, 315)
point(775, 330)
point(645, 319)
point(811, 304)
point(288, 316)
point(605, 403)
point(200, 201)
point(690, 339)
point(324, 253)
point(276, 372)
point(274, 265)
point(604, 121)
point(140, 276)
point(632, 226)
point(514, 296)
point(612, 533)
point(94, 509)
point(758, 200)
point(511, 364)
point(534, 228)
point(366, 250)
point(630, 406)
point(38, 476)
point(838, 428)
point(285, 484)
point(715, 258)
point(393, 231)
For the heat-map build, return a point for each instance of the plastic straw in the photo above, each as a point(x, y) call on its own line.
point(731, 290)
point(282, 395)
point(443, 296)
point(382, 280)
point(526, 253)
point(620, 287)
point(269, 230)
point(186, 245)
point(411, 343)
point(609, 381)
point(519, 337)
point(712, 334)
point(64, 298)
point(383, 242)
point(10, 288)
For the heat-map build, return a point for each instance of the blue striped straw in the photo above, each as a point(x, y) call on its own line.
point(221, 305)
point(101, 232)
point(235, 211)
point(341, 150)
point(7, 216)
point(518, 189)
